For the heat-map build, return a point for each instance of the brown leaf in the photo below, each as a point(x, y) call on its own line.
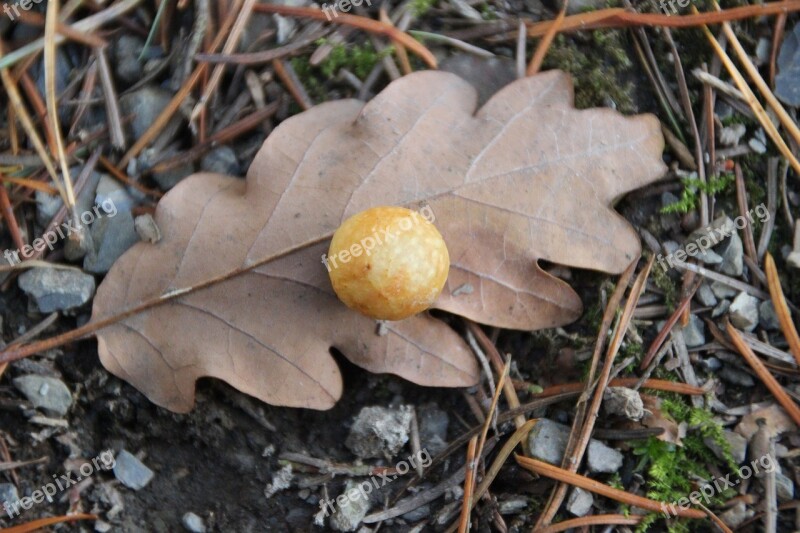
point(524, 178)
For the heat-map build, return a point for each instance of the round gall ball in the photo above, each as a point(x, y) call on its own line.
point(388, 263)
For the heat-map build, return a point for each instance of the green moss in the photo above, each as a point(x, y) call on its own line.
point(360, 59)
point(599, 64)
point(421, 7)
point(693, 186)
point(671, 470)
point(665, 283)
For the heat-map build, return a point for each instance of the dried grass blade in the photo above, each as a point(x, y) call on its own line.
point(781, 308)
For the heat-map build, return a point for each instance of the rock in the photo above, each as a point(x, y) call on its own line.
point(110, 193)
point(793, 260)
point(145, 105)
point(112, 236)
point(712, 364)
point(730, 135)
point(757, 145)
point(379, 431)
point(743, 312)
point(602, 459)
point(147, 229)
point(737, 444)
point(166, 179)
point(433, 423)
point(709, 257)
point(737, 514)
point(667, 199)
point(721, 309)
point(487, 75)
point(735, 376)
point(55, 289)
point(732, 252)
point(722, 291)
point(784, 487)
point(351, 508)
point(281, 480)
point(8, 494)
point(787, 82)
point(580, 502)
point(127, 49)
point(131, 472)
point(694, 333)
point(49, 394)
point(221, 160)
point(706, 296)
point(623, 401)
point(193, 523)
point(548, 440)
point(767, 317)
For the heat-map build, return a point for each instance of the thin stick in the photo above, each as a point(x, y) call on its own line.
point(547, 40)
point(781, 308)
point(559, 474)
point(769, 381)
point(52, 99)
point(469, 485)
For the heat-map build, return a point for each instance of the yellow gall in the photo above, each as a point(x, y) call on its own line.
point(388, 263)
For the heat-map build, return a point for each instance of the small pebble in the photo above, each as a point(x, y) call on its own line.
point(193, 523)
point(379, 431)
point(49, 394)
point(744, 312)
point(131, 472)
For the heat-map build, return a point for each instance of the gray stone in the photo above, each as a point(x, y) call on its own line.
point(580, 502)
point(548, 440)
point(145, 105)
point(48, 394)
point(193, 523)
point(8, 494)
point(732, 252)
point(694, 333)
point(111, 236)
point(350, 510)
point(722, 291)
point(784, 487)
point(735, 376)
point(602, 459)
point(131, 472)
point(730, 135)
point(744, 312)
point(736, 443)
point(221, 160)
point(281, 480)
point(709, 257)
point(127, 49)
point(623, 401)
point(736, 515)
point(787, 82)
point(706, 296)
point(667, 199)
point(55, 289)
point(166, 179)
point(113, 195)
point(147, 229)
point(767, 317)
point(721, 309)
point(433, 423)
point(379, 431)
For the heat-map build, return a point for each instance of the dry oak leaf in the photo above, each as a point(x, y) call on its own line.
point(524, 178)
